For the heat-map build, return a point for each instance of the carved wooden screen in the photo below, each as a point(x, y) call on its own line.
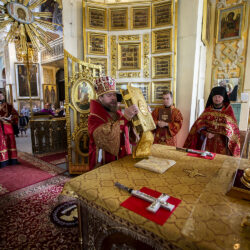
point(79, 90)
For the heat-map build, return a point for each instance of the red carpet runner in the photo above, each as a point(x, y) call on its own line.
point(31, 170)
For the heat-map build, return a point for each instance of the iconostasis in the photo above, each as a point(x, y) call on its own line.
point(134, 43)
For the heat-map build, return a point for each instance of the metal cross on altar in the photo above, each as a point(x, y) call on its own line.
point(161, 201)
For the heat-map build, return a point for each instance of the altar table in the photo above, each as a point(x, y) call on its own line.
point(205, 219)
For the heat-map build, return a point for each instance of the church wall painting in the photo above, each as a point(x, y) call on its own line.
point(229, 23)
point(49, 94)
point(158, 88)
point(22, 86)
point(97, 18)
point(118, 18)
point(140, 17)
point(97, 43)
point(129, 56)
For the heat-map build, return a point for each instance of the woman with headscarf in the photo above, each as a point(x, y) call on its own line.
point(216, 129)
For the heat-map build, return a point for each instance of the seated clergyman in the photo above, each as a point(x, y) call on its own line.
point(216, 129)
point(108, 128)
point(168, 121)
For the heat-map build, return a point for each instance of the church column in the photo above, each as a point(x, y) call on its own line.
point(188, 56)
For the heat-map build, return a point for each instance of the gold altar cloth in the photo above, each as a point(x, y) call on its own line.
point(206, 217)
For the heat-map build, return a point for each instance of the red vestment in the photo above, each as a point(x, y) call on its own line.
point(107, 134)
point(222, 123)
point(8, 152)
point(167, 135)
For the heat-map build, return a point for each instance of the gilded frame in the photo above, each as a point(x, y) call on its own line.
point(162, 38)
point(8, 93)
point(159, 12)
point(35, 102)
point(206, 22)
point(97, 43)
point(82, 94)
point(158, 88)
point(22, 88)
point(118, 18)
point(49, 75)
point(145, 88)
point(140, 17)
point(100, 15)
point(158, 66)
point(129, 54)
point(50, 94)
point(99, 61)
point(230, 29)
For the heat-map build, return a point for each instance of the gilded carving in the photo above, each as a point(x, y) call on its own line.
point(22, 57)
point(113, 56)
point(128, 38)
point(129, 74)
point(146, 55)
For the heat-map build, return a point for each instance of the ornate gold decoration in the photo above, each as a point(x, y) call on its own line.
point(26, 23)
point(245, 179)
point(118, 18)
point(97, 43)
point(143, 121)
point(113, 47)
point(162, 14)
point(162, 66)
point(140, 17)
point(162, 41)
point(97, 18)
point(193, 173)
point(99, 61)
point(145, 88)
point(129, 75)
point(146, 73)
point(129, 56)
point(158, 88)
point(143, 147)
point(77, 72)
point(124, 38)
point(32, 53)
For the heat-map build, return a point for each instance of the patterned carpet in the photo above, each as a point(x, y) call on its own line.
point(54, 158)
point(25, 218)
point(30, 171)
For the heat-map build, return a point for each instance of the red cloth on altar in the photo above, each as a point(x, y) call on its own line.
point(167, 135)
point(99, 116)
point(8, 152)
point(222, 123)
point(139, 206)
point(204, 157)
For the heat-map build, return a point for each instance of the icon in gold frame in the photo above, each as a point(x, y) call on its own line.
point(97, 43)
point(97, 18)
point(162, 41)
point(129, 56)
point(118, 18)
point(140, 17)
point(229, 23)
point(162, 14)
point(158, 88)
point(162, 66)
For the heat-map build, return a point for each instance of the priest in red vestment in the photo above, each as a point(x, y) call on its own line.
point(216, 129)
point(8, 117)
point(109, 129)
point(168, 120)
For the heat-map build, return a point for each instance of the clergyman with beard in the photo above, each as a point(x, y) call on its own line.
point(216, 129)
point(109, 129)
